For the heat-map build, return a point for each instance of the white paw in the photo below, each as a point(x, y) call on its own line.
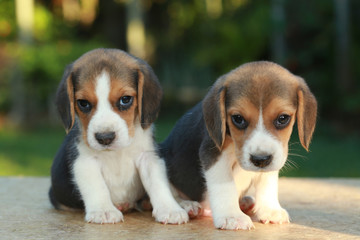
point(193, 208)
point(270, 215)
point(234, 222)
point(104, 216)
point(171, 216)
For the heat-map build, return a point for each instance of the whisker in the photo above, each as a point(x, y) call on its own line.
point(297, 155)
point(289, 165)
point(292, 164)
point(293, 143)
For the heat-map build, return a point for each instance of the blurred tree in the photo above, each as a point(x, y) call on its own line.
point(343, 77)
point(189, 44)
point(135, 31)
point(83, 11)
point(25, 22)
point(111, 12)
point(277, 35)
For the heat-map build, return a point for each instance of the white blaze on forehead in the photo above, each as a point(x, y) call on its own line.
point(102, 90)
point(105, 119)
point(263, 141)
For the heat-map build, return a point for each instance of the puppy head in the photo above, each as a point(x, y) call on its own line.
point(255, 107)
point(111, 94)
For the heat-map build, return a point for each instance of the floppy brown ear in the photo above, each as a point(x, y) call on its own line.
point(65, 99)
point(214, 111)
point(149, 95)
point(306, 114)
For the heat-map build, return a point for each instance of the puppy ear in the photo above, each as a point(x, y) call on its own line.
point(65, 99)
point(214, 111)
point(306, 114)
point(149, 95)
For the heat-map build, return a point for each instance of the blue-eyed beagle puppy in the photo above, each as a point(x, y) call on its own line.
point(108, 101)
point(238, 137)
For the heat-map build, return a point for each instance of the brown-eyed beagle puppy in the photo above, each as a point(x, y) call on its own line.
point(108, 101)
point(237, 137)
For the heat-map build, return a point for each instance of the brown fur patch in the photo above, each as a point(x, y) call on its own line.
point(274, 109)
point(70, 92)
point(214, 111)
point(245, 108)
point(149, 96)
point(306, 115)
point(274, 89)
point(86, 91)
point(120, 88)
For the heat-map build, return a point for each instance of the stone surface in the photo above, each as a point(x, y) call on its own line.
point(319, 209)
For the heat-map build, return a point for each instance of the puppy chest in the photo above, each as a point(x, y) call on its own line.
point(122, 180)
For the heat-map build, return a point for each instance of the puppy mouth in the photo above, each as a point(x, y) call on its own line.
point(258, 162)
point(116, 145)
point(99, 147)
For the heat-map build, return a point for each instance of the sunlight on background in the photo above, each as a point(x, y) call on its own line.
point(71, 10)
point(83, 11)
point(136, 38)
point(214, 8)
point(25, 18)
point(135, 32)
point(189, 44)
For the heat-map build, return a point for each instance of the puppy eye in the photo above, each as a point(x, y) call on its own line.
point(282, 121)
point(125, 102)
point(84, 105)
point(239, 121)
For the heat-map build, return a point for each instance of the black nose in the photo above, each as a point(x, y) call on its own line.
point(105, 138)
point(261, 161)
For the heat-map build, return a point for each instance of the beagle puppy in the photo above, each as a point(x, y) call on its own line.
point(108, 161)
point(237, 137)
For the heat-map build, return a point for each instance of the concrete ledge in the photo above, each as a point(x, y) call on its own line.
point(319, 209)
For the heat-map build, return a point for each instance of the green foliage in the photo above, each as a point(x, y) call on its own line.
point(234, 38)
point(28, 153)
point(7, 20)
point(238, 35)
point(42, 61)
point(43, 65)
point(190, 46)
point(329, 156)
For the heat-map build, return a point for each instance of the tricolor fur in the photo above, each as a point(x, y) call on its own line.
point(237, 137)
point(108, 161)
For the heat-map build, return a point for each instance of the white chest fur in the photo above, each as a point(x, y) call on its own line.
point(121, 176)
point(113, 173)
point(243, 179)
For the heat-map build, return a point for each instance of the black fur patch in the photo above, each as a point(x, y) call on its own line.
point(182, 153)
point(63, 189)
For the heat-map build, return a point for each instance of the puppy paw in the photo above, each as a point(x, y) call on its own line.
point(104, 216)
point(170, 216)
point(247, 204)
point(234, 222)
point(269, 215)
point(125, 207)
point(193, 208)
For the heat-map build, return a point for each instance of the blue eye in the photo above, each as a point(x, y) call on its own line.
point(239, 121)
point(84, 105)
point(125, 102)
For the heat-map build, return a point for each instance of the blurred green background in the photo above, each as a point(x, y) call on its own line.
point(189, 44)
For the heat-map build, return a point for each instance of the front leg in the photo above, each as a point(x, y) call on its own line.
point(153, 176)
point(267, 207)
point(224, 197)
point(193, 208)
point(94, 192)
